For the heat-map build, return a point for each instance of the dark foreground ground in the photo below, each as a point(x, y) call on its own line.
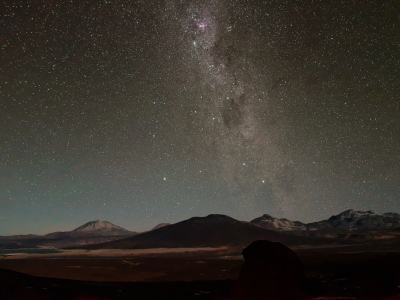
point(374, 275)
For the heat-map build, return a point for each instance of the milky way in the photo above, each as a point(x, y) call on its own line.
point(141, 112)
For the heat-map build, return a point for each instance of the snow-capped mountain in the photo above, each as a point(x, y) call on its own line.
point(347, 220)
point(100, 228)
point(354, 220)
point(270, 222)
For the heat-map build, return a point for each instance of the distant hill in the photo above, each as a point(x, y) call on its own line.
point(210, 231)
point(90, 233)
point(161, 225)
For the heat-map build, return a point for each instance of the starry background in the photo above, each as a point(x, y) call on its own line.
point(142, 112)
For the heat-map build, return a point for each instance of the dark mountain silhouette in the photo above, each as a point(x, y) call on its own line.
point(210, 231)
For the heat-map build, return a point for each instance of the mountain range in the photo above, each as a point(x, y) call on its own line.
point(349, 219)
point(210, 231)
point(219, 230)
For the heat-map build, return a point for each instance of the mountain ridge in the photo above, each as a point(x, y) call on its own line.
point(217, 229)
point(349, 219)
point(210, 231)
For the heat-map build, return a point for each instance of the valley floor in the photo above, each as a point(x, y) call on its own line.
point(188, 274)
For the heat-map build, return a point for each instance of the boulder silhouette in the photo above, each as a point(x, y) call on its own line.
point(270, 271)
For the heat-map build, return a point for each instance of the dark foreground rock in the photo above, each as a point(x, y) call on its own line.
point(270, 271)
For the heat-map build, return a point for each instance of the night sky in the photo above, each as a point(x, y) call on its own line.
point(142, 112)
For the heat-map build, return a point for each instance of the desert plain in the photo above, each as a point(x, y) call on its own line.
point(190, 273)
